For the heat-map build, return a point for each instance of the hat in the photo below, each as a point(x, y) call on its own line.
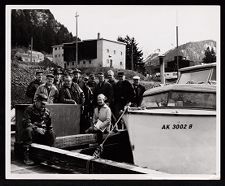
point(110, 72)
point(57, 71)
point(136, 77)
point(120, 73)
point(101, 74)
point(42, 97)
point(76, 71)
point(39, 72)
point(86, 78)
point(50, 75)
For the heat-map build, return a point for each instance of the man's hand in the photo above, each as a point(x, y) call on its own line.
point(40, 131)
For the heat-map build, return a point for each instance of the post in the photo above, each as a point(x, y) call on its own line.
point(177, 49)
point(76, 38)
point(162, 68)
point(132, 60)
point(31, 48)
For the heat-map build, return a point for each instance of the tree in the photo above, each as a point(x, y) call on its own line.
point(210, 56)
point(132, 50)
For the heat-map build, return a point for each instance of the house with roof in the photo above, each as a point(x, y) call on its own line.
point(98, 52)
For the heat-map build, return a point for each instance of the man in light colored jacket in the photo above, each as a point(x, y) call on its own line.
point(48, 89)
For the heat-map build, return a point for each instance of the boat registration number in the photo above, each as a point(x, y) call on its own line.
point(177, 126)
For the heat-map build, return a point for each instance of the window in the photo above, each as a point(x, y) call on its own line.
point(107, 60)
point(108, 50)
point(89, 61)
point(73, 63)
point(62, 55)
point(114, 51)
point(78, 62)
point(55, 55)
point(181, 99)
point(84, 62)
point(121, 53)
point(121, 63)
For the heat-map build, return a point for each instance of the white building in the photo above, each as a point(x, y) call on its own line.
point(26, 56)
point(57, 54)
point(92, 53)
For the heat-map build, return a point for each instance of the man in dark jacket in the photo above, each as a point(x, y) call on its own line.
point(124, 93)
point(32, 87)
point(57, 79)
point(77, 78)
point(139, 91)
point(104, 88)
point(71, 93)
point(37, 126)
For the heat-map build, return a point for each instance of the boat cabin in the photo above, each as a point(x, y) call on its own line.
point(199, 74)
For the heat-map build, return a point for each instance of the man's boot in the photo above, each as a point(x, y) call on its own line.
point(27, 159)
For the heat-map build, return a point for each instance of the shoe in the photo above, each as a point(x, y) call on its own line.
point(28, 162)
point(27, 159)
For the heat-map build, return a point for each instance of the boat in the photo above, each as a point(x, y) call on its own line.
point(174, 130)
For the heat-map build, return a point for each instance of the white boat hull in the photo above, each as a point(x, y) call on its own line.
point(180, 143)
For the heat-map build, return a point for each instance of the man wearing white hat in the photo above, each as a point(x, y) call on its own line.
point(139, 91)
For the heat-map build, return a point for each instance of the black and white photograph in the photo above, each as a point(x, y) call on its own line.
point(112, 92)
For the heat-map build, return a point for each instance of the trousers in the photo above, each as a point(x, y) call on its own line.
point(31, 135)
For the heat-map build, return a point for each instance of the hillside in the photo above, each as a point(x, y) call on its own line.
point(193, 51)
point(39, 24)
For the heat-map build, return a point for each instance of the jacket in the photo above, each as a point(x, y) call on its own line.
point(103, 114)
point(52, 93)
point(139, 91)
point(32, 87)
point(72, 95)
point(124, 92)
point(106, 89)
point(34, 117)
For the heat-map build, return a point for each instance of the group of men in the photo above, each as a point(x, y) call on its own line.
point(70, 88)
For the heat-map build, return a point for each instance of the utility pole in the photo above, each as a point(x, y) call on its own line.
point(76, 38)
point(177, 42)
point(31, 48)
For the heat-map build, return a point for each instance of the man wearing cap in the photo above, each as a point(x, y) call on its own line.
point(32, 87)
point(57, 79)
point(124, 93)
point(37, 126)
point(111, 78)
point(49, 89)
point(77, 79)
point(71, 93)
point(139, 91)
point(92, 82)
point(104, 88)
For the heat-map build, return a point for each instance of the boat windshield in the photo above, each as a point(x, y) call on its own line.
point(195, 77)
point(180, 100)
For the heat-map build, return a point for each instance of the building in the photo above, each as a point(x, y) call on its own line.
point(26, 56)
point(58, 55)
point(91, 53)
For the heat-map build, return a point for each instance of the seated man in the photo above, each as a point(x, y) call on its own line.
point(101, 118)
point(37, 126)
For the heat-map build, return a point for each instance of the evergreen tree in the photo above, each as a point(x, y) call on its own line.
point(39, 24)
point(131, 44)
point(210, 56)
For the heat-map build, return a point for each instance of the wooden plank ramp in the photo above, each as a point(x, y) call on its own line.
point(84, 163)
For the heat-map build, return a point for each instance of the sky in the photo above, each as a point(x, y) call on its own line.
point(153, 27)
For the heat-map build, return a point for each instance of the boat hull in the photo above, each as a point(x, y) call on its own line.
point(180, 142)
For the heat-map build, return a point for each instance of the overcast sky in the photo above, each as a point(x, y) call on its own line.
point(153, 27)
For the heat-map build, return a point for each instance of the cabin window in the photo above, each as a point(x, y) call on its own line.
point(181, 99)
point(194, 77)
